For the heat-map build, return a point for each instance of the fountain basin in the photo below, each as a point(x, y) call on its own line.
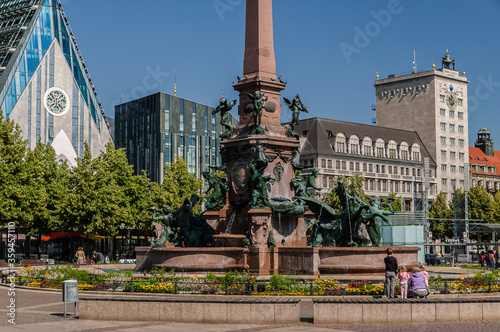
point(192, 259)
point(228, 240)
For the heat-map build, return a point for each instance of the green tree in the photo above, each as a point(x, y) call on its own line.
point(496, 208)
point(440, 211)
point(104, 194)
point(480, 204)
point(178, 184)
point(397, 203)
point(354, 184)
point(44, 185)
point(13, 150)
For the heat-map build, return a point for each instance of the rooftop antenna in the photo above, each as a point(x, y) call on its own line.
point(175, 83)
point(414, 63)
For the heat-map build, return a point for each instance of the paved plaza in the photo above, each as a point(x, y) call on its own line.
point(42, 310)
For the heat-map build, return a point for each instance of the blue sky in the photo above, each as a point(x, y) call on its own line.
point(132, 49)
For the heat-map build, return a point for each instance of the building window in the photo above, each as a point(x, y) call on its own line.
point(404, 154)
point(384, 185)
point(371, 185)
point(416, 156)
point(343, 165)
point(443, 153)
point(392, 153)
point(443, 140)
point(444, 181)
point(396, 186)
point(378, 185)
point(329, 164)
point(323, 163)
point(461, 169)
point(452, 114)
point(325, 179)
point(357, 167)
point(407, 171)
point(367, 150)
point(473, 183)
point(337, 164)
point(461, 155)
point(380, 152)
point(383, 169)
point(418, 171)
point(460, 102)
point(377, 167)
point(351, 166)
point(305, 132)
point(460, 142)
point(443, 126)
point(444, 167)
point(453, 168)
point(364, 167)
point(370, 167)
point(389, 168)
point(460, 115)
point(452, 154)
point(340, 147)
point(402, 171)
point(460, 129)
point(452, 127)
point(442, 111)
point(395, 170)
point(354, 148)
point(452, 141)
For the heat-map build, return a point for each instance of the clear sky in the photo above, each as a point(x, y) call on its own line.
point(132, 49)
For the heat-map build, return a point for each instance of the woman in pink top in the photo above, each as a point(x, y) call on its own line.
point(403, 277)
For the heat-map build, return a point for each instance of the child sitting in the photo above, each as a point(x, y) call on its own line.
point(403, 277)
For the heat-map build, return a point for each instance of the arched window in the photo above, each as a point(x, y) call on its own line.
point(415, 152)
point(367, 146)
point(392, 149)
point(340, 143)
point(380, 148)
point(354, 144)
point(403, 151)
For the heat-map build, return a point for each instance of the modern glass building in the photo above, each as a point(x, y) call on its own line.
point(45, 85)
point(155, 129)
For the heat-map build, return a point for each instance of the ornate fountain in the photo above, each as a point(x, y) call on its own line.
point(259, 214)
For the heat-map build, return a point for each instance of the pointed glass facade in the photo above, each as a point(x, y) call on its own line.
point(27, 29)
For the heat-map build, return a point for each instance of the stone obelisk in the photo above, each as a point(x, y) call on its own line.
point(269, 143)
point(259, 67)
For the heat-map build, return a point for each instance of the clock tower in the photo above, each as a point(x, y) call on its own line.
point(434, 104)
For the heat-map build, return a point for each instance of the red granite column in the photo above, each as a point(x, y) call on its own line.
point(259, 68)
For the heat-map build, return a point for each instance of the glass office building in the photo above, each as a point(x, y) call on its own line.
point(45, 85)
point(155, 129)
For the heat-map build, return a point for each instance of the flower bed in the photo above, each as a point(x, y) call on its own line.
point(236, 283)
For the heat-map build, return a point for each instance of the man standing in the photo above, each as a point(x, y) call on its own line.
point(391, 269)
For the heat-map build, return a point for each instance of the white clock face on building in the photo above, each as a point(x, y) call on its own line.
point(56, 101)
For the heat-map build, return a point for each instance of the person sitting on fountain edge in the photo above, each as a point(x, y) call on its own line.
point(391, 268)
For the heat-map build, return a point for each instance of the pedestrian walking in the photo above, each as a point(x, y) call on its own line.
point(80, 256)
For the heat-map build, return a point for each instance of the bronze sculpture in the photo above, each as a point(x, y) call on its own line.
point(258, 101)
point(219, 188)
point(296, 106)
point(224, 108)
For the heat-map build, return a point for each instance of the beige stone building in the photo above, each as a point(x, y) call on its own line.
point(390, 160)
point(434, 104)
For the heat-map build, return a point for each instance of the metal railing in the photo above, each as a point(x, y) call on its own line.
point(298, 288)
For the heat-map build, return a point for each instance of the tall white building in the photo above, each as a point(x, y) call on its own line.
point(434, 104)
